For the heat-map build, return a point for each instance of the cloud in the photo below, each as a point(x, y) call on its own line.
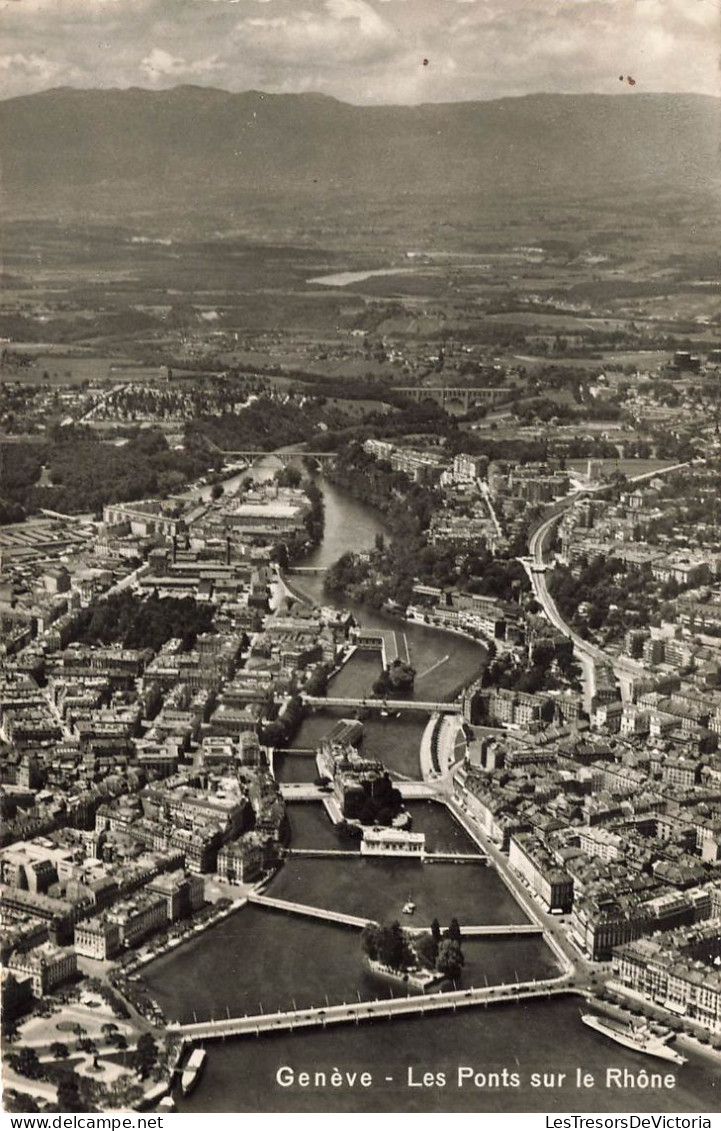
point(339, 32)
point(368, 51)
point(29, 65)
point(20, 73)
point(160, 64)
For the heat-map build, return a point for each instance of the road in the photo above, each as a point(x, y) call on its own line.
point(87, 416)
point(589, 655)
point(580, 971)
point(320, 1017)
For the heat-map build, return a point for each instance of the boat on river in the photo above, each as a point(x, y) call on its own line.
point(639, 1037)
point(192, 1070)
point(409, 906)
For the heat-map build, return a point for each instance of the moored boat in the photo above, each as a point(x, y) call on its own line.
point(192, 1070)
point(639, 1037)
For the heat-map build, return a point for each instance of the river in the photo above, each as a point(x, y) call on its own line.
point(345, 278)
point(259, 959)
point(443, 660)
point(546, 1038)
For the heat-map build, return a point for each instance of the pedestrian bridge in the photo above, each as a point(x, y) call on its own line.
point(308, 911)
point(476, 931)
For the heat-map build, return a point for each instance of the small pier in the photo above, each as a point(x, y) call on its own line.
point(397, 648)
point(391, 645)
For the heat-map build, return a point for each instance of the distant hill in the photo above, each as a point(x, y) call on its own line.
point(117, 153)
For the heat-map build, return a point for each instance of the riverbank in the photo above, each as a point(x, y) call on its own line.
point(418, 980)
point(192, 932)
point(439, 744)
point(543, 1037)
point(665, 1017)
point(553, 935)
point(288, 591)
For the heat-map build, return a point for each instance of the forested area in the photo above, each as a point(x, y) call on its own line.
point(137, 622)
point(551, 666)
point(86, 473)
point(390, 571)
point(613, 596)
point(266, 424)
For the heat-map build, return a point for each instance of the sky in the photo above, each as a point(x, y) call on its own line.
point(364, 51)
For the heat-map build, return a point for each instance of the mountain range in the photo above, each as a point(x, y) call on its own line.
point(118, 153)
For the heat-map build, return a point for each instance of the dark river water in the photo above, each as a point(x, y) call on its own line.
point(545, 1038)
point(259, 960)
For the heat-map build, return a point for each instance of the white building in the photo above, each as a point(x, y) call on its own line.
point(379, 841)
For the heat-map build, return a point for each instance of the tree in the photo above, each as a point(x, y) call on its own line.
point(19, 1102)
point(59, 1050)
point(145, 1055)
point(288, 477)
point(25, 1062)
point(426, 947)
point(10, 1028)
point(454, 931)
point(280, 556)
point(216, 491)
point(450, 959)
point(436, 930)
point(387, 945)
point(394, 950)
point(370, 939)
point(69, 1098)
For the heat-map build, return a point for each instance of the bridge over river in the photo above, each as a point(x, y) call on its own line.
point(409, 791)
point(306, 570)
point(319, 1017)
point(425, 858)
point(283, 457)
point(389, 705)
point(479, 931)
